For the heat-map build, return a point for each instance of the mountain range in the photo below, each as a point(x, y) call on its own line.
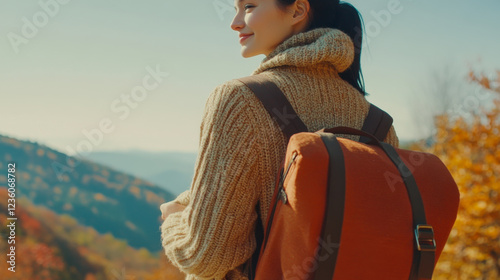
point(96, 195)
point(172, 171)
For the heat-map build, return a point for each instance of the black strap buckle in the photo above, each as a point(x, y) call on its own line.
point(424, 236)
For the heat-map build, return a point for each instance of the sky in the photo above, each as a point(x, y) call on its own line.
point(68, 68)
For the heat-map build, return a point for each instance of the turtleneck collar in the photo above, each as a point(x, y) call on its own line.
point(325, 46)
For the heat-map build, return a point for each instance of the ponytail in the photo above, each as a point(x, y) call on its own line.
point(346, 18)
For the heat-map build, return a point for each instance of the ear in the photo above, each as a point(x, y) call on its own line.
point(300, 11)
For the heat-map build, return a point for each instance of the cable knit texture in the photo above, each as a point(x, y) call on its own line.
point(241, 148)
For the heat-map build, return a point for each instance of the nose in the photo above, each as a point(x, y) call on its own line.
point(238, 23)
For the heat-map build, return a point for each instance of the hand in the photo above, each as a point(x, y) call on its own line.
point(169, 208)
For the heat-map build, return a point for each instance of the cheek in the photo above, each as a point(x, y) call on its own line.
point(263, 19)
point(255, 20)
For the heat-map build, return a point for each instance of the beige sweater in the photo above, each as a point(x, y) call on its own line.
point(241, 148)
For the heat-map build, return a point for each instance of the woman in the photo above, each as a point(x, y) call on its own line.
point(312, 53)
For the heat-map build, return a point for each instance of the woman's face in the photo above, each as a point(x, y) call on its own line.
point(266, 24)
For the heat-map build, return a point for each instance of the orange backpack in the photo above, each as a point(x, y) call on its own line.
point(344, 209)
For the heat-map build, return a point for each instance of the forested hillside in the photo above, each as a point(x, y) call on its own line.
point(95, 195)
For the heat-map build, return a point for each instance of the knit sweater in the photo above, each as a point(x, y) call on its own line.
point(241, 148)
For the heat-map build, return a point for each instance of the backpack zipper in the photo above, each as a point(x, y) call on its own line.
point(281, 195)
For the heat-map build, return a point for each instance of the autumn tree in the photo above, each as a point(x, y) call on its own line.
point(469, 144)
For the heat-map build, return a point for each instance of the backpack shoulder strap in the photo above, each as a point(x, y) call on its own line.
point(276, 104)
point(377, 123)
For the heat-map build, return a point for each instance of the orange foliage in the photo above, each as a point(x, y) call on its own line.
point(67, 206)
point(39, 256)
point(470, 148)
point(99, 197)
point(57, 190)
point(51, 155)
point(105, 173)
point(46, 258)
point(166, 271)
point(85, 179)
point(130, 225)
point(73, 191)
point(136, 191)
point(12, 142)
point(90, 276)
point(40, 152)
point(153, 198)
point(25, 176)
point(99, 178)
point(31, 225)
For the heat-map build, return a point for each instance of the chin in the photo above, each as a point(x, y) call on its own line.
point(246, 53)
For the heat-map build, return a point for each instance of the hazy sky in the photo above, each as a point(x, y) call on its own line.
point(68, 67)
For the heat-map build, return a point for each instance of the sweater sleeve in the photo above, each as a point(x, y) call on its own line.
point(215, 232)
point(183, 198)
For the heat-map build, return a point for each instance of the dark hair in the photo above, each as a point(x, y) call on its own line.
point(345, 17)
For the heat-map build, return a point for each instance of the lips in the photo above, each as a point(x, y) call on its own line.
point(244, 36)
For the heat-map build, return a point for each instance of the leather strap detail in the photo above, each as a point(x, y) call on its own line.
point(425, 246)
point(377, 123)
point(334, 212)
point(276, 104)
